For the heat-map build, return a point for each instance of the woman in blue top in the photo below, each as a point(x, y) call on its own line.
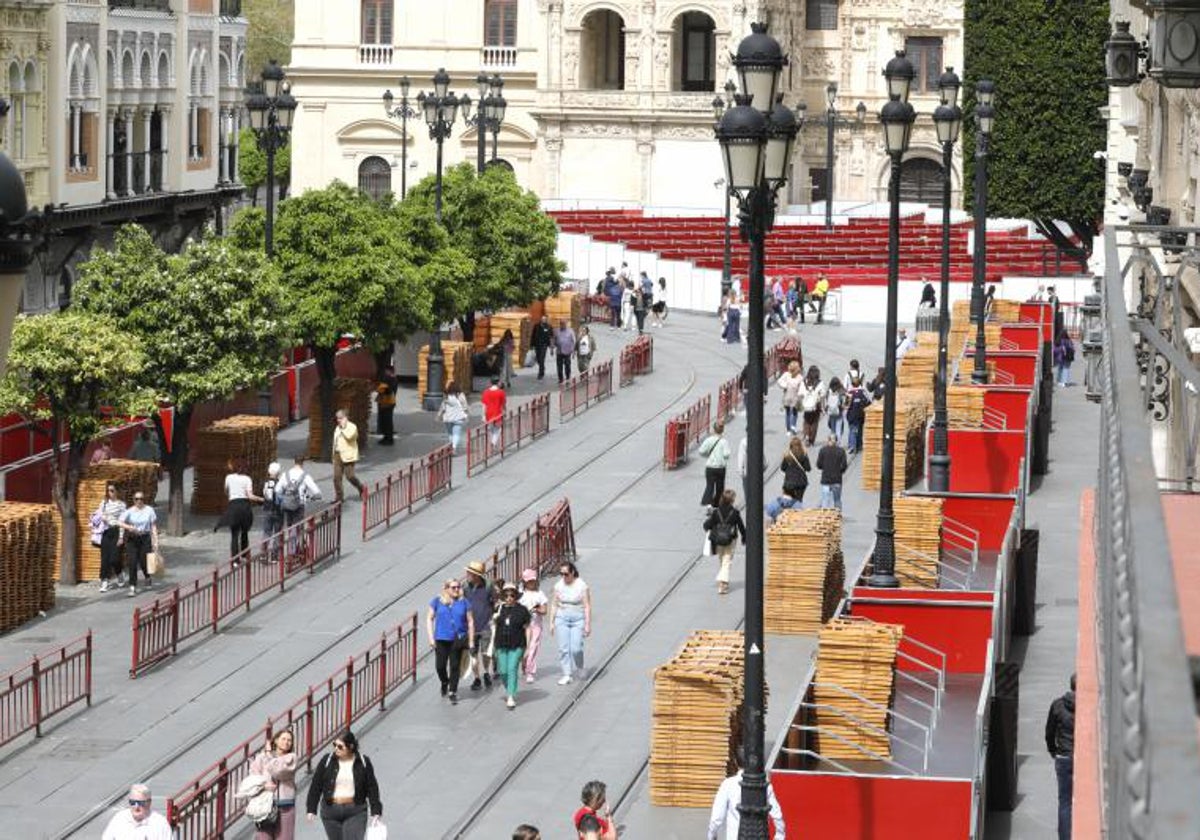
point(140, 525)
point(450, 626)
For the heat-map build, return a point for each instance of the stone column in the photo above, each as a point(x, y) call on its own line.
point(147, 116)
point(164, 132)
point(76, 135)
point(111, 134)
point(193, 129)
point(127, 120)
point(222, 164)
point(235, 135)
point(645, 148)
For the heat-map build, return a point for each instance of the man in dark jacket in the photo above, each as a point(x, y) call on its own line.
point(1060, 742)
point(832, 463)
point(543, 338)
point(613, 290)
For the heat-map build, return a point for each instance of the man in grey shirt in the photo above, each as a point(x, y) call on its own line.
point(564, 347)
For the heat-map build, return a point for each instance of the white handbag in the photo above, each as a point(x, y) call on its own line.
point(376, 831)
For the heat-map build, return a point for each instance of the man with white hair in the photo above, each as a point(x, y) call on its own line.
point(138, 821)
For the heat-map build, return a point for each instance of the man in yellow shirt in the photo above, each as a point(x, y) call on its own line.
point(819, 293)
point(345, 454)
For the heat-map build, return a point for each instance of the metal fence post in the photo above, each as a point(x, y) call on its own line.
point(382, 669)
point(88, 667)
point(349, 692)
point(137, 640)
point(37, 697)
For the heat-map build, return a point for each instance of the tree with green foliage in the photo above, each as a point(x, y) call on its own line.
point(269, 36)
point(354, 266)
point(502, 227)
point(81, 373)
point(252, 166)
point(212, 320)
point(1047, 61)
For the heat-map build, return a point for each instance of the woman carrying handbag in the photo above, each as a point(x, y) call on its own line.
point(344, 786)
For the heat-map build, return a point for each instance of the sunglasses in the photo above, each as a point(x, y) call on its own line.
point(139, 803)
point(337, 745)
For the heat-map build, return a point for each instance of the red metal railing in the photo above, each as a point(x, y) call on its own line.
point(729, 398)
point(200, 605)
point(206, 808)
point(45, 686)
point(491, 441)
point(596, 308)
point(399, 492)
point(685, 429)
point(542, 546)
point(637, 359)
point(585, 390)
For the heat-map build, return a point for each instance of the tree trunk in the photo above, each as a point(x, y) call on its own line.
point(176, 462)
point(66, 486)
point(254, 196)
point(467, 322)
point(325, 358)
point(382, 359)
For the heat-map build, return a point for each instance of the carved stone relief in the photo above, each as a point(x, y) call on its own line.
point(570, 60)
point(817, 63)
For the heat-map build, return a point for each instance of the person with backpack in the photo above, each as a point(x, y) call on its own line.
point(856, 416)
point(272, 511)
point(1064, 355)
point(716, 448)
point(724, 525)
point(295, 490)
point(344, 786)
point(790, 383)
point(835, 407)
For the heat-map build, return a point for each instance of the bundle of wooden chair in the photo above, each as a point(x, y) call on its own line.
point(249, 438)
point(457, 356)
point(28, 561)
point(352, 395)
point(964, 406)
point(918, 540)
point(565, 306)
point(697, 716)
point(913, 406)
point(805, 570)
point(859, 657)
point(919, 365)
point(130, 477)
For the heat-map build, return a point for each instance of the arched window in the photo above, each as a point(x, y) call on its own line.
point(921, 181)
point(602, 52)
point(696, 52)
point(375, 177)
point(500, 23)
point(376, 21)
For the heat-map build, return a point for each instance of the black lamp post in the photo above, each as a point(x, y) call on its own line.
point(489, 88)
point(493, 110)
point(832, 121)
point(756, 137)
point(985, 92)
point(719, 106)
point(948, 120)
point(897, 118)
point(271, 108)
point(402, 112)
point(441, 110)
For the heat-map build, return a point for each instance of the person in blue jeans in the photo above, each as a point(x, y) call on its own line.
point(1060, 743)
point(570, 619)
point(832, 463)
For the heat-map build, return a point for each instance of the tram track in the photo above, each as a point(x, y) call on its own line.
point(434, 574)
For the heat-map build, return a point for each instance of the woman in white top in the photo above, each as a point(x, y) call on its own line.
point(790, 383)
point(111, 539)
point(239, 489)
point(454, 413)
point(812, 402)
point(570, 619)
point(534, 600)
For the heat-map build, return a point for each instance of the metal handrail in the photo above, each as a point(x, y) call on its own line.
point(818, 757)
point(870, 754)
point(993, 419)
point(956, 580)
point(1003, 377)
point(887, 712)
point(969, 537)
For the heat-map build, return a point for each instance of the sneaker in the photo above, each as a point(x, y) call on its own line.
point(149, 582)
point(454, 697)
point(529, 678)
point(512, 704)
point(132, 591)
point(103, 586)
point(476, 684)
point(487, 680)
point(122, 581)
point(445, 689)
point(564, 680)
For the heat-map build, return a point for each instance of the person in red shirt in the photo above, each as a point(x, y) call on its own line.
point(494, 400)
point(595, 804)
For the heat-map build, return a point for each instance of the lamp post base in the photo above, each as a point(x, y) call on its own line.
point(939, 473)
point(435, 374)
point(883, 581)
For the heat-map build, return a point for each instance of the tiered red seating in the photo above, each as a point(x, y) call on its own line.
point(852, 253)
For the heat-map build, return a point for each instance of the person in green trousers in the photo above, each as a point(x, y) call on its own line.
point(510, 639)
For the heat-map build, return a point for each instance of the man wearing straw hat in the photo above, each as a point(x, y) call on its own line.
point(482, 600)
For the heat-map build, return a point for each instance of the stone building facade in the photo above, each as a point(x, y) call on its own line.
point(611, 100)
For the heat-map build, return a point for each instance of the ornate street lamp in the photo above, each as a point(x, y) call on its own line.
point(985, 114)
point(1122, 56)
point(756, 136)
point(948, 120)
point(897, 118)
point(401, 112)
point(272, 109)
point(719, 105)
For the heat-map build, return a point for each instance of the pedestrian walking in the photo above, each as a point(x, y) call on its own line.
point(450, 627)
point(345, 455)
point(585, 348)
point(534, 600)
point(140, 524)
point(513, 627)
point(138, 821)
point(295, 489)
point(835, 407)
point(790, 384)
point(564, 348)
point(110, 537)
point(277, 763)
point(595, 804)
point(103, 452)
point(507, 345)
point(385, 406)
point(820, 294)
point(658, 309)
point(856, 416)
point(832, 463)
point(494, 400)
point(1064, 355)
point(988, 300)
point(454, 413)
point(238, 515)
point(525, 831)
point(878, 386)
point(812, 401)
point(795, 467)
point(614, 290)
point(733, 324)
point(570, 619)
point(480, 597)
point(854, 377)
point(272, 501)
point(801, 296)
point(904, 343)
point(542, 340)
point(724, 525)
point(716, 448)
point(725, 809)
point(627, 294)
point(344, 786)
point(1060, 743)
point(928, 296)
point(646, 287)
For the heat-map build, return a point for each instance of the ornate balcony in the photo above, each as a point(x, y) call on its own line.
point(375, 53)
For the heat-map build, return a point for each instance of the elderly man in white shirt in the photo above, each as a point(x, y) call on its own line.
point(725, 807)
point(139, 821)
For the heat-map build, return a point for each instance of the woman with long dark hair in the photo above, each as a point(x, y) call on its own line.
point(344, 786)
point(239, 516)
point(277, 762)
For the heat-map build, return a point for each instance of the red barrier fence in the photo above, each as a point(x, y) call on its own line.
point(542, 546)
point(45, 686)
point(491, 441)
point(684, 430)
point(200, 604)
point(596, 309)
point(729, 398)
point(206, 808)
point(585, 390)
point(637, 359)
point(399, 492)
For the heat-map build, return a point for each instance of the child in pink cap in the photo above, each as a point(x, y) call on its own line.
point(535, 601)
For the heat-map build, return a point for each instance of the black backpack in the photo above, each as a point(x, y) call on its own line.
point(723, 532)
point(858, 407)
